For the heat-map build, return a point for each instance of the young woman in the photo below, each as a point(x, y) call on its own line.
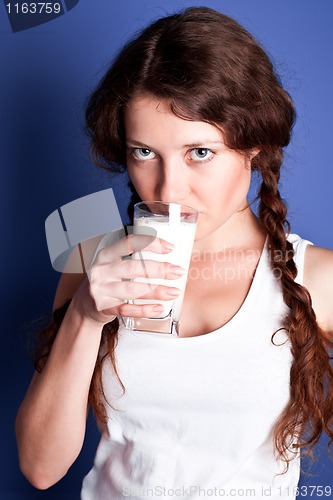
point(192, 108)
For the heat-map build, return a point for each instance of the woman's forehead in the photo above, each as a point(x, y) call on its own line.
point(150, 115)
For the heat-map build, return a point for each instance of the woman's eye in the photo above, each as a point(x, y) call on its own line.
point(143, 154)
point(201, 154)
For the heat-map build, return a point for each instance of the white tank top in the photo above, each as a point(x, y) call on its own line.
point(197, 416)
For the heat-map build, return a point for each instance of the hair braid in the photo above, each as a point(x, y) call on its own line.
point(310, 408)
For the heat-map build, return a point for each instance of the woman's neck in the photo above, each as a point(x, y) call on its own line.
point(243, 229)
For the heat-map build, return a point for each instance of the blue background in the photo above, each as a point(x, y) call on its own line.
point(46, 74)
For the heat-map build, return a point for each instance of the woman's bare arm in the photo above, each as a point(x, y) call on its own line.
point(51, 421)
point(318, 279)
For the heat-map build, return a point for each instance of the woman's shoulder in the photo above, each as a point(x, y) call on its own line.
point(318, 266)
point(318, 279)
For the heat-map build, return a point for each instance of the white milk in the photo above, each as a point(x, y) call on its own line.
point(181, 234)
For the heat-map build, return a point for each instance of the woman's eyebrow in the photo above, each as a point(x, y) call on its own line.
point(137, 143)
point(202, 142)
point(191, 145)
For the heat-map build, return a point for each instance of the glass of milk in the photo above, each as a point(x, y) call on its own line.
point(177, 224)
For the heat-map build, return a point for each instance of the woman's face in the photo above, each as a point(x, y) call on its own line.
point(187, 162)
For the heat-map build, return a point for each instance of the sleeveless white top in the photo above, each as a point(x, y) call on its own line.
point(197, 416)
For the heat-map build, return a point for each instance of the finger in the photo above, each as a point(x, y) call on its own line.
point(131, 244)
point(124, 309)
point(140, 311)
point(134, 268)
point(132, 290)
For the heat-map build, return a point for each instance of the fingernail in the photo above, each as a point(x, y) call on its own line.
point(174, 292)
point(168, 246)
point(158, 308)
point(178, 271)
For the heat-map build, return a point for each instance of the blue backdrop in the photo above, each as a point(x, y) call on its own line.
point(47, 71)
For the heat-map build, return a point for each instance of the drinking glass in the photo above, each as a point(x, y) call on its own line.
point(177, 224)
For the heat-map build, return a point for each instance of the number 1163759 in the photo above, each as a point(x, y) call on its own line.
point(33, 8)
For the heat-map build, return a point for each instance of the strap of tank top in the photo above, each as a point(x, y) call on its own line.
point(299, 246)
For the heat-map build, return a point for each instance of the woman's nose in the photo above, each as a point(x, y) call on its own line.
point(173, 183)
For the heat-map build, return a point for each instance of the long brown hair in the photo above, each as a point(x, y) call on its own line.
point(209, 68)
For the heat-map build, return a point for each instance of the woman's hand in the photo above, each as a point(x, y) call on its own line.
point(109, 286)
